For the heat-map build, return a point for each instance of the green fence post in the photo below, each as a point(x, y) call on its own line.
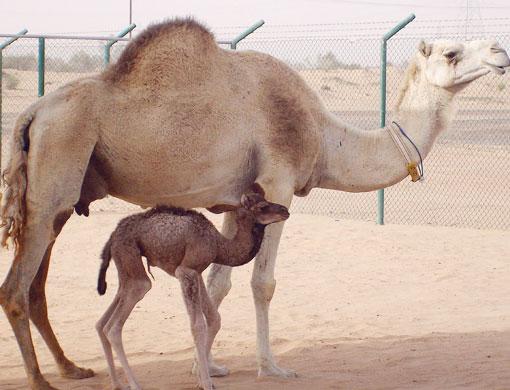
point(3, 45)
point(244, 34)
point(384, 40)
point(109, 44)
point(40, 67)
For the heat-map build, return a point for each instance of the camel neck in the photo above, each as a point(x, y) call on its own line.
point(244, 245)
point(364, 160)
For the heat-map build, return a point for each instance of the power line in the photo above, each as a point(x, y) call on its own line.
point(413, 5)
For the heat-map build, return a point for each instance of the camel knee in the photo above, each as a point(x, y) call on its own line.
point(263, 290)
point(15, 302)
point(141, 288)
point(100, 328)
point(214, 322)
point(15, 307)
point(218, 283)
point(136, 289)
point(218, 290)
point(113, 334)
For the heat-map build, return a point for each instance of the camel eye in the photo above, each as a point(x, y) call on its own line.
point(451, 56)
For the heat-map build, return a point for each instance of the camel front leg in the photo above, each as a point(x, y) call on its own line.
point(263, 285)
point(218, 286)
point(218, 280)
point(190, 286)
point(39, 316)
point(213, 319)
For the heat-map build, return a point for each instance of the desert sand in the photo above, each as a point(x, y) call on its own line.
point(357, 306)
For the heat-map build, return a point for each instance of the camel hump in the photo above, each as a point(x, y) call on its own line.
point(177, 45)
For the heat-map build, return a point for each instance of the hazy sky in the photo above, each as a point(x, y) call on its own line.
point(94, 16)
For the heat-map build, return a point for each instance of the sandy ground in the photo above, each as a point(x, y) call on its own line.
point(357, 306)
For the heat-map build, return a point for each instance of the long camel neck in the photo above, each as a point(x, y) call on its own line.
point(360, 161)
point(244, 245)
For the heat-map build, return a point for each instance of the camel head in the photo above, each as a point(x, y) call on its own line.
point(263, 211)
point(452, 65)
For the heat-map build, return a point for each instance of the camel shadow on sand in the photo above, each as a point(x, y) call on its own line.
point(435, 361)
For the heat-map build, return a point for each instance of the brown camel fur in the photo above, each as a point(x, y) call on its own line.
point(183, 243)
point(180, 121)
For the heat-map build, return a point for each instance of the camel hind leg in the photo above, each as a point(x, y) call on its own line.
point(56, 163)
point(39, 316)
point(133, 285)
point(107, 347)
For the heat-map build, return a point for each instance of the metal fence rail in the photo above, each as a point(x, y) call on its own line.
point(467, 172)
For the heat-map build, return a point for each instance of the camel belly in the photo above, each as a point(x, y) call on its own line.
point(189, 179)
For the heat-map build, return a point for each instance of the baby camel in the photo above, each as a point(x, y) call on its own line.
point(183, 243)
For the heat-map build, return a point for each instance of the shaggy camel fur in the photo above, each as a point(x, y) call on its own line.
point(183, 243)
point(178, 120)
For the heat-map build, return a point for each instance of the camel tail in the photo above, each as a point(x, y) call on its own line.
point(14, 181)
point(106, 256)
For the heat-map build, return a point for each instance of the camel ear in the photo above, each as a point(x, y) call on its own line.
point(250, 199)
point(425, 48)
point(257, 188)
point(246, 201)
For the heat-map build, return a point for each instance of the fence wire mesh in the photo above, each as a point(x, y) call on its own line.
point(467, 172)
point(467, 184)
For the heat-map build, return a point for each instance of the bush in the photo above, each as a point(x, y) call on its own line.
point(329, 61)
point(79, 62)
point(9, 81)
point(23, 62)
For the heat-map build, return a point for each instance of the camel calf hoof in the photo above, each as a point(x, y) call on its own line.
point(72, 371)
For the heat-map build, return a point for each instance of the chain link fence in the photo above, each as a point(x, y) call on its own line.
point(467, 180)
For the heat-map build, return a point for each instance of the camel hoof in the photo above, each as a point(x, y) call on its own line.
point(72, 371)
point(208, 386)
point(274, 370)
point(215, 370)
point(42, 385)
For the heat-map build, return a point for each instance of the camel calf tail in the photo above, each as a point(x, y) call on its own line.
point(14, 181)
point(106, 256)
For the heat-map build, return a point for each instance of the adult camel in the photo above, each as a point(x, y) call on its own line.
point(179, 121)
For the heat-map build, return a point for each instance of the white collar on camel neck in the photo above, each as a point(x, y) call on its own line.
point(414, 168)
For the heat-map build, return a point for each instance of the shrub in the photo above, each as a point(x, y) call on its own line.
point(9, 81)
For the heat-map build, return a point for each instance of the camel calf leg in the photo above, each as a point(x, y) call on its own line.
point(131, 292)
point(212, 316)
point(190, 286)
point(107, 347)
point(218, 281)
